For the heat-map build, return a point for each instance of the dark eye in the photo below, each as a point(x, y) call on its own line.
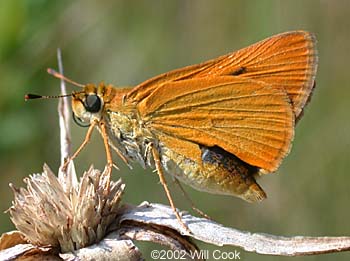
point(92, 103)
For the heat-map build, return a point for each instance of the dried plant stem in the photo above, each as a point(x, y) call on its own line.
point(68, 179)
point(213, 233)
point(64, 116)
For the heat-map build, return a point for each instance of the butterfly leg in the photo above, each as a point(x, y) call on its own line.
point(165, 186)
point(108, 151)
point(201, 213)
point(86, 141)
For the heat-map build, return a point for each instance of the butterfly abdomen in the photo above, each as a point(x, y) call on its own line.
point(219, 173)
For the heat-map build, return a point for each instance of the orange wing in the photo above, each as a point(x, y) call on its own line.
point(287, 61)
point(247, 118)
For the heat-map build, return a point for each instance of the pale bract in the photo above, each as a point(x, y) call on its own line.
point(69, 220)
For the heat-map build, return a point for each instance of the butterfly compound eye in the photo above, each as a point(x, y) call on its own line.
point(92, 103)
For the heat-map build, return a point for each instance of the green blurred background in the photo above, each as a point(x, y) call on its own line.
point(125, 43)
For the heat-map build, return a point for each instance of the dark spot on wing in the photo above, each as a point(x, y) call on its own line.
point(239, 71)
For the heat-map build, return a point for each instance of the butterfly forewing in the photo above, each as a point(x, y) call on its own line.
point(245, 117)
point(287, 61)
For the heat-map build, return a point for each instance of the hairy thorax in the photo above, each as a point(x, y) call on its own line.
point(130, 137)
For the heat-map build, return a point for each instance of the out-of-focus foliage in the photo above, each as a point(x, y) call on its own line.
point(126, 42)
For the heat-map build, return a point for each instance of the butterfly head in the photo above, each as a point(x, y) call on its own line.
point(88, 104)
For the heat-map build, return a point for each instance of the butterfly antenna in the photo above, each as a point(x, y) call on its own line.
point(62, 77)
point(36, 96)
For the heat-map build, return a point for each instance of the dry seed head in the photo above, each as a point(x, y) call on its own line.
point(47, 215)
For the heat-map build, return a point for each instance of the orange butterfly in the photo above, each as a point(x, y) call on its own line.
point(214, 125)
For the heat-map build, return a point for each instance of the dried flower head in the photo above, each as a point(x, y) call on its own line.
point(48, 214)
